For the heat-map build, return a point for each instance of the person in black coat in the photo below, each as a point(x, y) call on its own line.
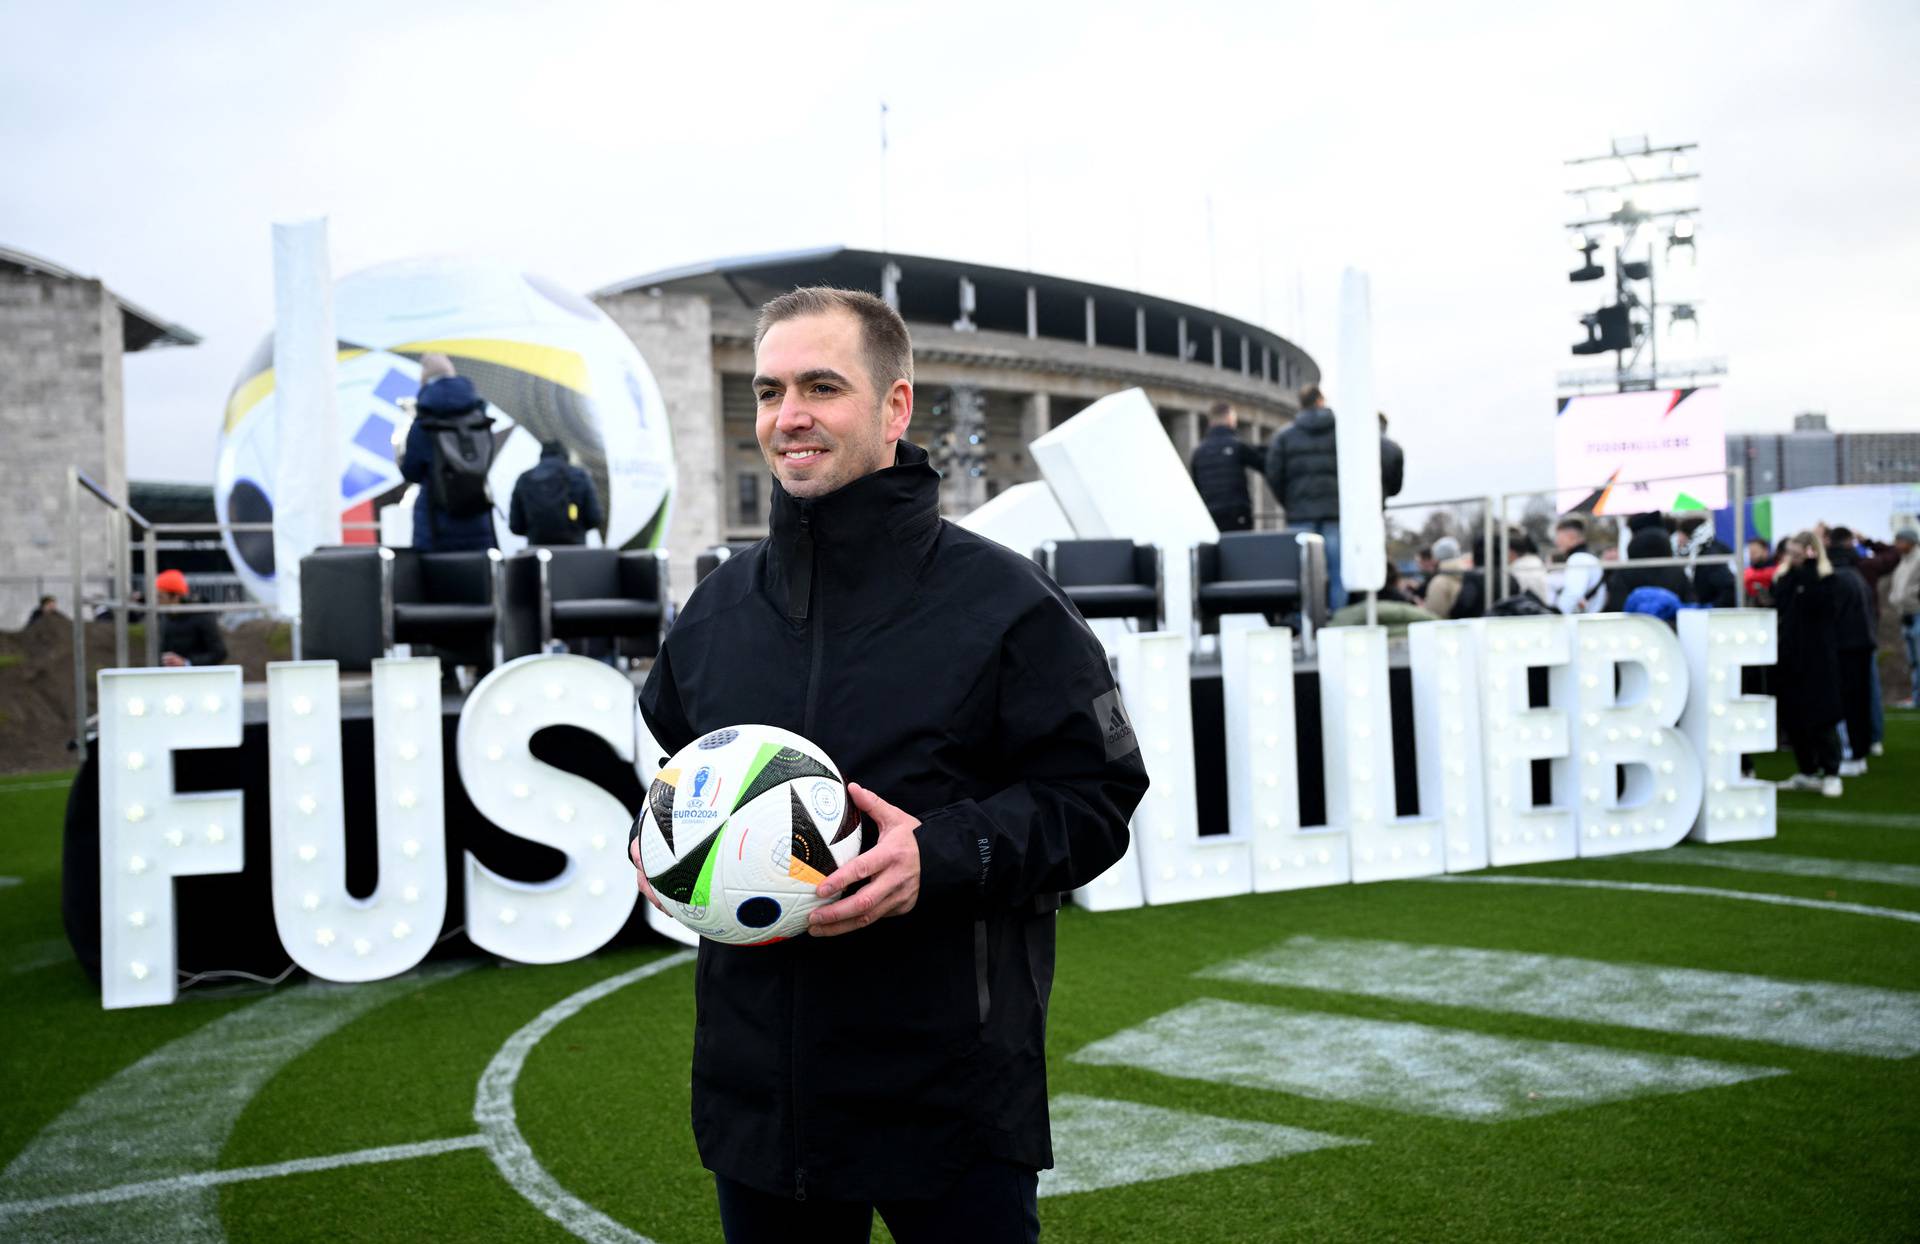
point(186, 638)
point(1712, 579)
point(895, 1057)
point(1855, 624)
point(554, 502)
point(434, 529)
point(1649, 540)
point(1220, 464)
point(1806, 680)
point(1303, 469)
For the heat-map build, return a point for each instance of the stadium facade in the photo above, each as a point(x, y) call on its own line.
point(1813, 455)
point(1000, 355)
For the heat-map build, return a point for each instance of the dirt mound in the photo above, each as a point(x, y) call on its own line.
point(36, 682)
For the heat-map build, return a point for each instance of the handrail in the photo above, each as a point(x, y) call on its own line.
point(1736, 502)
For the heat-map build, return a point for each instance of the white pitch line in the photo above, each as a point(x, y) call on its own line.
point(242, 1174)
point(7, 881)
point(170, 1114)
point(1826, 816)
point(1814, 1015)
point(26, 786)
point(493, 1110)
point(1411, 1068)
point(1099, 1143)
point(1748, 861)
point(42, 954)
point(1697, 891)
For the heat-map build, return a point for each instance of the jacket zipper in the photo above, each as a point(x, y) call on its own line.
point(810, 613)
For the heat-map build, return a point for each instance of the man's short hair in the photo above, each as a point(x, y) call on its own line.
point(1572, 522)
point(1425, 551)
point(883, 334)
point(1310, 396)
point(1519, 543)
point(1217, 414)
point(1840, 535)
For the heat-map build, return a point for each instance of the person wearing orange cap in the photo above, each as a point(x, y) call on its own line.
point(185, 638)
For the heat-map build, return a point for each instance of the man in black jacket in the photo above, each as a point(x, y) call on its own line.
point(900, 1066)
point(554, 502)
point(1303, 469)
point(186, 638)
point(1220, 464)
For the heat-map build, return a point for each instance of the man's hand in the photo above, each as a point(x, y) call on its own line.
point(891, 870)
point(172, 660)
point(640, 876)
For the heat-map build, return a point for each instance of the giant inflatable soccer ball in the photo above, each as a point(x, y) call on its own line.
point(549, 363)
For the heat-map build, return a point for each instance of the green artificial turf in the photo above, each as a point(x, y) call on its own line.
point(1826, 1152)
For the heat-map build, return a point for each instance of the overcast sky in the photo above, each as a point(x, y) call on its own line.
point(153, 146)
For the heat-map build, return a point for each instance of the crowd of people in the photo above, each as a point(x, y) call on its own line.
point(1825, 583)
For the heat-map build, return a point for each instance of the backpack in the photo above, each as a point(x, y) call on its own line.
point(1519, 605)
point(462, 454)
point(546, 499)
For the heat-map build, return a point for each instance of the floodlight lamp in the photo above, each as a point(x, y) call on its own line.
point(1683, 230)
point(1580, 241)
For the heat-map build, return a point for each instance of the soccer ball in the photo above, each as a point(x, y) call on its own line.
point(740, 827)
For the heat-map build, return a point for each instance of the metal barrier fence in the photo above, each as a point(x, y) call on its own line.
point(1496, 524)
point(121, 521)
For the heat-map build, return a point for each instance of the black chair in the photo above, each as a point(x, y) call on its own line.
point(340, 605)
point(1108, 578)
point(572, 592)
point(1277, 573)
point(451, 602)
point(709, 559)
point(358, 601)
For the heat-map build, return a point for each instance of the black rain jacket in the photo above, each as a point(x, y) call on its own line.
point(1303, 467)
point(950, 676)
point(193, 637)
point(1220, 464)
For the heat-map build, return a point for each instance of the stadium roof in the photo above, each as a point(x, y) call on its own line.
point(139, 327)
point(928, 291)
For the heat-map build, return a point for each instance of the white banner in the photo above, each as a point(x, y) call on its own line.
point(1356, 435)
point(306, 507)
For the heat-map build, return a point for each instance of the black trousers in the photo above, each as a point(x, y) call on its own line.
point(1856, 699)
point(993, 1203)
point(1815, 751)
point(1233, 518)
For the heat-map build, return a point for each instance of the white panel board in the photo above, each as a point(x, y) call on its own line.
point(1356, 435)
point(1023, 518)
point(1116, 475)
point(306, 503)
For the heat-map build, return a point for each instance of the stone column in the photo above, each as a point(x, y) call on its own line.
point(674, 333)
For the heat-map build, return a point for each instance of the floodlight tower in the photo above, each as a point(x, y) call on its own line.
point(1642, 194)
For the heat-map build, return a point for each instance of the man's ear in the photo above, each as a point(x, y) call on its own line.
point(899, 410)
